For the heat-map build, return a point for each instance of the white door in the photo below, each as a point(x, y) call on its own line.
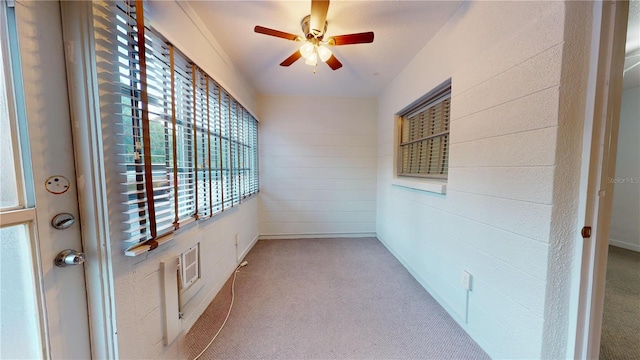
point(44, 306)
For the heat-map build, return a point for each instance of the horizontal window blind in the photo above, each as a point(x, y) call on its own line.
point(225, 135)
point(215, 147)
point(244, 166)
point(235, 150)
point(201, 123)
point(254, 168)
point(185, 173)
point(119, 88)
point(424, 136)
point(159, 99)
point(184, 148)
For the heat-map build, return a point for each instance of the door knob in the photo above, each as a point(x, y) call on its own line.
point(69, 257)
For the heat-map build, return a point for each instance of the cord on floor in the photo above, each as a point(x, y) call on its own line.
point(233, 296)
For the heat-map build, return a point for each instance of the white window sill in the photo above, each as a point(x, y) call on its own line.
point(428, 185)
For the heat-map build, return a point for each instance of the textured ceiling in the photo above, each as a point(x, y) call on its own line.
point(401, 29)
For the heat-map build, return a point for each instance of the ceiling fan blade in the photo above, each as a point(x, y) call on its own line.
point(359, 38)
point(319, 9)
point(291, 59)
point(276, 33)
point(333, 63)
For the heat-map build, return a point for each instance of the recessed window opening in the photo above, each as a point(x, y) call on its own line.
point(424, 135)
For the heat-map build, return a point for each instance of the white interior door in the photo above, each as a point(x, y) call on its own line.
point(44, 306)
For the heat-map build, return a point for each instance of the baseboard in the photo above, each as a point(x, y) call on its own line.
point(424, 284)
point(624, 245)
point(454, 315)
point(246, 251)
point(316, 235)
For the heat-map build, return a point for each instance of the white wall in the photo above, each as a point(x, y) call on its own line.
point(137, 280)
point(317, 166)
point(509, 178)
point(625, 215)
point(508, 211)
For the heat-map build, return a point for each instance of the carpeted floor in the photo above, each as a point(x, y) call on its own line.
point(328, 299)
point(621, 320)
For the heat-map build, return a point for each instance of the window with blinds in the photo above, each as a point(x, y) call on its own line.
point(424, 135)
point(185, 149)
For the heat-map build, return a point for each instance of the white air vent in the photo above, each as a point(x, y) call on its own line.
point(189, 267)
point(181, 281)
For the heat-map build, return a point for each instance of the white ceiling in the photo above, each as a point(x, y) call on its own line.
point(401, 29)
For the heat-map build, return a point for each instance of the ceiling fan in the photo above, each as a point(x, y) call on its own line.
point(315, 46)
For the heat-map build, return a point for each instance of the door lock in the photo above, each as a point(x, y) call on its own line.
point(62, 221)
point(69, 257)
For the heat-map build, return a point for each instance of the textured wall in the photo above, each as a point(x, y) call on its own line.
point(509, 211)
point(138, 290)
point(565, 243)
point(625, 216)
point(317, 166)
point(497, 218)
point(137, 282)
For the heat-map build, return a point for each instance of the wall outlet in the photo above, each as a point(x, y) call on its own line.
point(466, 280)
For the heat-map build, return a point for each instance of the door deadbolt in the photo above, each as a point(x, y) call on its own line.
point(63, 221)
point(69, 257)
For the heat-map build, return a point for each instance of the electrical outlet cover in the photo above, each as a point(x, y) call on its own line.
point(466, 280)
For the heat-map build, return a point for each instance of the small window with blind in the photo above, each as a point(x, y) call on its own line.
point(423, 147)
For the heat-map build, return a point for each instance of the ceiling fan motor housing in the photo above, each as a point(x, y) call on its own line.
point(312, 33)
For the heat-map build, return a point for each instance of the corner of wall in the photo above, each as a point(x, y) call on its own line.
point(568, 159)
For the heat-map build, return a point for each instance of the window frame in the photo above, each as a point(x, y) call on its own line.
point(427, 183)
point(437, 96)
point(188, 125)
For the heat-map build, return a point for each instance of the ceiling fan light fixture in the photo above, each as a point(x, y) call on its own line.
point(307, 49)
point(324, 53)
point(312, 59)
point(314, 43)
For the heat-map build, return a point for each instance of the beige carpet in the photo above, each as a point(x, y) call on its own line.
point(328, 299)
point(621, 320)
